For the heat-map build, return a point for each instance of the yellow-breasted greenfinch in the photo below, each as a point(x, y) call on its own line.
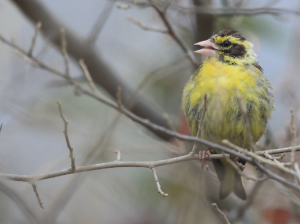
point(230, 67)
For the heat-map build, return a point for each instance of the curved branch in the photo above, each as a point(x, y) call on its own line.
point(80, 48)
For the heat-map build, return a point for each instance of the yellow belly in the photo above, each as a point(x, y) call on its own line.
point(223, 118)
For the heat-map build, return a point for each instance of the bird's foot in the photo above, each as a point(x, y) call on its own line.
point(235, 158)
point(202, 155)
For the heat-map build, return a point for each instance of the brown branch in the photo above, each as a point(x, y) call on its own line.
point(142, 26)
point(37, 195)
point(222, 213)
point(259, 158)
point(103, 17)
point(157, 183)
point(240, 172)
point(36, 32)
point(73, 167)
point(20, 202)
point(151, 126)
point(162, 15)
point(87, 75)
point(236, 11)
point(64, 51)
point(80, 48)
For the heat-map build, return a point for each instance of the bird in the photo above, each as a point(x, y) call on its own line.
point(230, 68)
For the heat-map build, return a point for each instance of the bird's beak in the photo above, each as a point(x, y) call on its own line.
point(209, 50)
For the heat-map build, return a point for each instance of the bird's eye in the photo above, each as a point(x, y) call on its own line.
point(226, 43)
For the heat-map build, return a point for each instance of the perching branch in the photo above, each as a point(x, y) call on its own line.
point(36, 32)
point(162, 15)
point(142, 26)
point(246, 156)
point(87, 75)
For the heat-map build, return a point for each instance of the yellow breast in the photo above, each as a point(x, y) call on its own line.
point(223, 119)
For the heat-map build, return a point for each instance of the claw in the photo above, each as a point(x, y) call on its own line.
point(236, 159)
point(201, 156)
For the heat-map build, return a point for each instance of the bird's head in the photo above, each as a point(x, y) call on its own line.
point(229, 47)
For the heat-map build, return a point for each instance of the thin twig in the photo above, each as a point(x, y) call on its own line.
point(64, 51)
point(162, 15)
point(87, 75)
point(37, 195)
point(142, 26)
point(103, 17)
point(36, 32)
point(267, 155)
point(118, 155)
point(157, 183)
point(222, 213)
point(200, 124)
point(236, 11)
point(240, 172)
point(20, 202)
point(73, 167)
point(259, 158)
point(151, 126)
point(296, 166)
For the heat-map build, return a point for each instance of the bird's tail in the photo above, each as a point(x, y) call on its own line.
point(230, 180)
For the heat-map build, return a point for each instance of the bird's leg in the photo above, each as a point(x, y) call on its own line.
point(201, 156)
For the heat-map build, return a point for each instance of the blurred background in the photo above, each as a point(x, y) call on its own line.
point(152, 67)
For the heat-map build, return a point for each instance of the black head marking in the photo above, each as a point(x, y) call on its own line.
point(224, 33)
point(235, 51)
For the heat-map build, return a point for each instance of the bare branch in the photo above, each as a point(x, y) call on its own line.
point(73, 167)
point(259, 158)
point(103, 17)
point(157, 183)
point(236, 11)
point(87, 75)
point(154, 127)
point(64, 51)
point(19, 200)
point(79, 47)
point(240, 172)
point(162, 15)
point(222, 213)
point(37, 195)
point(200, 124)
point(37, 28)
point(142, 26)
point(267, 155)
